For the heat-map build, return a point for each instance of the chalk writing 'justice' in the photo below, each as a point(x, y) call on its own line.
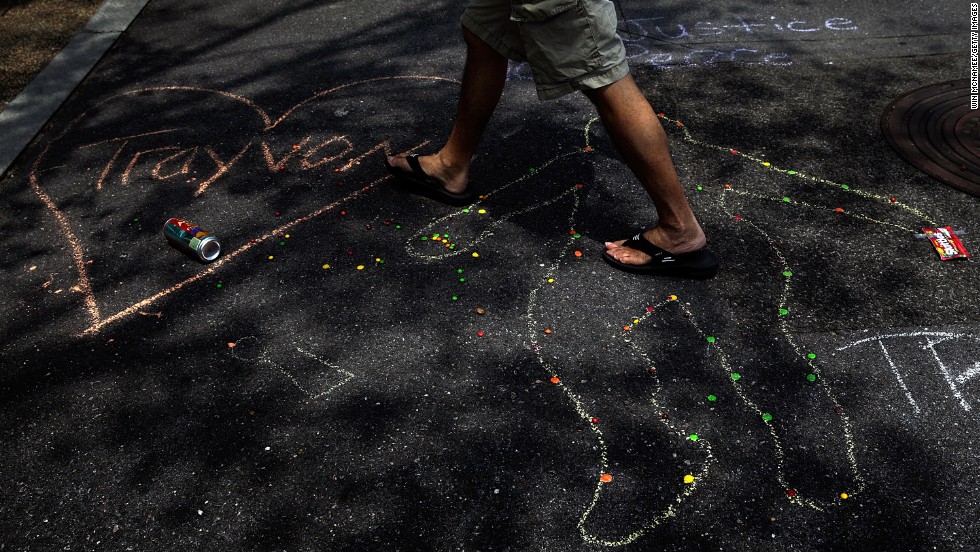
point(657, 27)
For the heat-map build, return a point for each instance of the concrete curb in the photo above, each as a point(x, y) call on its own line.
point(26, 114)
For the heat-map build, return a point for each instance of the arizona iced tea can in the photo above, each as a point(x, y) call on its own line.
point(192, 239)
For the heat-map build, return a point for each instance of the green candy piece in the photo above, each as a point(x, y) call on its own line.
point(783, 312)
point(398, 227)
point(455, 298)
point(136, 219)
point(767, 416)
point(736, 376)
point(811, 377)
point(787, 200)
point(445, 235)
point(576, 236)
point(787, 274)
point(424, 238)
point(462, 279)
point(845, 187)
point(219, 285)
point(712, 398)
point(700, 188)
point(791, 172)
point(711, 339)
point(466, 210)
point(459, 271)
point(282, 243)
point(693, 437)
point(811, 356)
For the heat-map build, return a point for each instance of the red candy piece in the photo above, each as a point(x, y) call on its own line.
point(791, 492)
point(480, 334)
point(595, 420)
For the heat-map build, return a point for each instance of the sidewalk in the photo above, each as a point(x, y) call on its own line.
point(365, 369)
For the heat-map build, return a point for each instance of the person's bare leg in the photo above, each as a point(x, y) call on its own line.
point(483, 82)
point(637, 134)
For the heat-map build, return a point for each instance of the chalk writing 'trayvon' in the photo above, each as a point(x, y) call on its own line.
point(646, 37)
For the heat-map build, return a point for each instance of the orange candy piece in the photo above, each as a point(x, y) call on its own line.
point(606, 478)
point(554, 379)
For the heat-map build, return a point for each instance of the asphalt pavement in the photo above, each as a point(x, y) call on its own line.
point(362, 368)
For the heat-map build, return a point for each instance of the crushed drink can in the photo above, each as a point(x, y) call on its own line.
point(192, 239)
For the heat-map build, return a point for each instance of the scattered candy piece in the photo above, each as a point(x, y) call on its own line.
point(482, 211)
point(551, 280)
point(547, 331)
point(580, 186)
point(671, 297)
point(787, 274)
point(626, 328)
point(700, 188)
point(588, 148)
point(360, 267)
point(595, 420)
point(278, 213)
point(219, 285)
point(578, 253)
point(326, 266)
point(652, 370)
point(734, 151)
point(481, 334)
point(767, 416)
point(664, 416)
point(766, 164)
point(892, 199)
point(271, 257)
point(711, 339)
point(811, 356)
point(475, 254)
point(712, 398)
point(231, 345)
point(481, 311)
point(838, 210)
point(649, 309)
point(455, 298)
point(843, 496)
point(688, 479)
point(693, 437)
point(736, 376)
point(791, 492)
point(787, 200)
point(791, 172)
point(783, 312)
point(606, 478)
point(845, 187)
point(811, 377)
point(554, 379)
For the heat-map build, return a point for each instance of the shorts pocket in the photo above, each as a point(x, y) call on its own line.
point(540, 10)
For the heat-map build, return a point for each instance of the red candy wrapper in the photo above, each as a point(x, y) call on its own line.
point(947, 243)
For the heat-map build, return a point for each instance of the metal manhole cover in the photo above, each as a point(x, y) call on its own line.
point(934, 129)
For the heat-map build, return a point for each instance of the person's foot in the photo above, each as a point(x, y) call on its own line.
point(454, 180)
point(674, 242)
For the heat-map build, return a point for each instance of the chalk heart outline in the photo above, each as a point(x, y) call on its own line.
point(97, 320)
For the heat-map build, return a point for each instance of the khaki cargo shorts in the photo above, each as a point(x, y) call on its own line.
point(570, 44)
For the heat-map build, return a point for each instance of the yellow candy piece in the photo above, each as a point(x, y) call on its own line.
point(475, 254)
point(688, 478)
point(672, 297)
point(482, 211)
point(551, 280)
point(271, 257)
point(326, 266)
point(287, 236)
point(766, 164)
point(360, 267)
point(843, 496)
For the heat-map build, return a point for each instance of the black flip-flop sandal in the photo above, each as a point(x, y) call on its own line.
point(417, 182)
point(698, 264)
